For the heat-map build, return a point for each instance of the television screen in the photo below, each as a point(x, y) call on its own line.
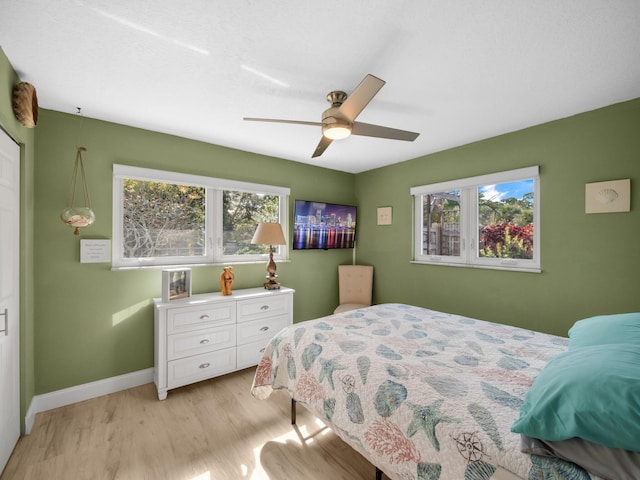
point(321, 225)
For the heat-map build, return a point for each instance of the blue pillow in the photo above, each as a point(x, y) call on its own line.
point(591, 393)
point(604, 329)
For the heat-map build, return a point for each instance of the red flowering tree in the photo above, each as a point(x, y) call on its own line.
point(506, 240)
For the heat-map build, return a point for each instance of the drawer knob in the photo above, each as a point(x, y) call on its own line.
point(264, 307)
point(204, 317)
point(264, 329)
point(204, 341)
point(205, 365)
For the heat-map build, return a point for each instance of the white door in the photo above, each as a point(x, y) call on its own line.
point(9, 296)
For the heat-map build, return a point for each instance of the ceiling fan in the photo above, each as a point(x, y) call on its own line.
point(338, 121)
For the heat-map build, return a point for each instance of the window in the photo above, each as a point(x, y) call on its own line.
point(489, 221)
point(167, 218)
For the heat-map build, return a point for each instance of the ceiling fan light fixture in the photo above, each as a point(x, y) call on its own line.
point(336, 131)
point(339, 120)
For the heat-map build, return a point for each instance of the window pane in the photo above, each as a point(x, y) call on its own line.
point(441, 224)
point(163, 220)
point(242, 211)
point(505, 220)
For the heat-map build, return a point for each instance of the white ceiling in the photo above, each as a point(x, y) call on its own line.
point(457, 71)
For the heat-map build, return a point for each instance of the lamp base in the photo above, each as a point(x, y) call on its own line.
point(271, 270)
point(272, 286)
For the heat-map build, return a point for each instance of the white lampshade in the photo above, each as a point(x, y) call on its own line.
point(269, 234)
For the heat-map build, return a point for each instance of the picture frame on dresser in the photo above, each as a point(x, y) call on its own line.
point(176, 284)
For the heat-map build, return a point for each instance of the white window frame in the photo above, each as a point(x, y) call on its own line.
point(469, 226)
point(213, 223)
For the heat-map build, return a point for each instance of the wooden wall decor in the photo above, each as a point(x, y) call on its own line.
point(25, 104)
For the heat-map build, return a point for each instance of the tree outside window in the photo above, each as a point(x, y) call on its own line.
point(167, 218)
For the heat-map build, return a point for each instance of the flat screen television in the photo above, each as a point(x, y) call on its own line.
point(322, 225)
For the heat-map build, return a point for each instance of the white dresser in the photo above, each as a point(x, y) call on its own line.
point(207, 335)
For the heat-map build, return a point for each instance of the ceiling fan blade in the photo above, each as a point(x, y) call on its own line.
point(360, 97)
point(369, 130)
point(322, 146)
point(273, 120)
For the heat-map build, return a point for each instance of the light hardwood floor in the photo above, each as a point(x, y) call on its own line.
point(212, 430)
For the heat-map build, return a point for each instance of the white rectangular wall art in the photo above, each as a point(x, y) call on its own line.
point(607, 197)
point(176, 284)
point(95, 251)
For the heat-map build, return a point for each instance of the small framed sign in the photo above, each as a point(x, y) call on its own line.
point(176, 284)
point(385, 215)
point(95, 251)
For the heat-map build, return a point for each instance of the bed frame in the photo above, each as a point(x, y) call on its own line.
point(293, 422)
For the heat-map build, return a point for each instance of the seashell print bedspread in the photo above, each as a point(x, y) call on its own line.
point(421, 394)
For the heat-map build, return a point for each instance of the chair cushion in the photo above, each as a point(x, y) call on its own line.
point(355, 283)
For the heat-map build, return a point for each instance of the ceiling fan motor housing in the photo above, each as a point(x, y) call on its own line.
point(334, 125)
point(336, 98)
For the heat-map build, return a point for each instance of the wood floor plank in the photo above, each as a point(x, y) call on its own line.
point(212, 430)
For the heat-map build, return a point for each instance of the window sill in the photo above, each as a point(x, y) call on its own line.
point(485, 267)
point(190, 265)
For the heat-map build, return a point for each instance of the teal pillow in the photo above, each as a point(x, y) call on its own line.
point(591, 393)
point(604, 329)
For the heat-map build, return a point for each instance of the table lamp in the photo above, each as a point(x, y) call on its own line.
point(269, 234)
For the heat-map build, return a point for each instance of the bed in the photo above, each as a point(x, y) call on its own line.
point(421, 394)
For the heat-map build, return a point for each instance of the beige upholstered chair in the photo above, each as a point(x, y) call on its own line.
point(356, 284)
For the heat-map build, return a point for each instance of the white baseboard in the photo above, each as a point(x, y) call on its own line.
point(30, 417)
point(86, 391)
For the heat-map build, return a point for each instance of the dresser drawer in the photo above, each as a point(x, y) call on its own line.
point(186, 344)
point(250, 354)
point(263, 307)
point(200, 367)
point(262, 329)
point(200, 316)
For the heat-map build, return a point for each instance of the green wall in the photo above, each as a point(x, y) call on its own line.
point(92, 322)
point(84, 322)
point(590, 263)
point(25, 137)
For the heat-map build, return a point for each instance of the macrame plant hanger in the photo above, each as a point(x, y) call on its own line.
point(78, 216)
